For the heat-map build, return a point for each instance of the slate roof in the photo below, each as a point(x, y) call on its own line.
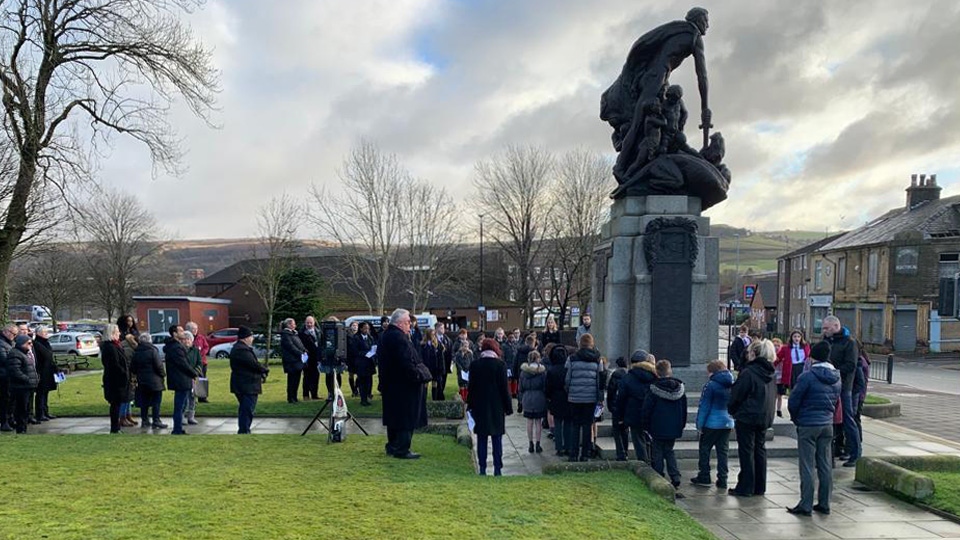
point(810, 248)
point(933, 219)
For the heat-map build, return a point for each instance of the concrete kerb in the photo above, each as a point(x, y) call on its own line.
point(658, 484)
point(903, 475)
point(886, 410)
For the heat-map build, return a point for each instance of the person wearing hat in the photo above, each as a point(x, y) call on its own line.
point(22, 372)
point(634, 388)
point(813, 401)
point(246, 378)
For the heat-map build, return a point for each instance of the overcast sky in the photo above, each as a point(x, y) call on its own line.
point(826, 107)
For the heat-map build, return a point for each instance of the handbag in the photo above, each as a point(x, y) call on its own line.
point(201, 388)
point(423, 373)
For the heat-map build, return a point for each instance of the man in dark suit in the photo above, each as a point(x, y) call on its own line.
point(310, 337)
point(292, 350)
point(246, 378)
point(402, 385)
point(447, 353)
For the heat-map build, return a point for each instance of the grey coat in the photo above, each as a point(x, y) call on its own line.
point(583, 382)
point(533, 389)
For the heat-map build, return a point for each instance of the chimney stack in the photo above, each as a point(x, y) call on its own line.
point(922, 189)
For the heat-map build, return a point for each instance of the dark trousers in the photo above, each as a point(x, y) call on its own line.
point(248, 404)
point(442, 381)
point(436, 390)
point(6, 402)
point(561, 433)
point(365, 387)
point(21, 409)
point(203, 369)
point(639, 445)
point(621, 438)
point(710, 439)
point(813, 443)
point(150, 399)
point(752, 451)
point(352, 379)
point(180, 398)
point(40, 404)
point(115, 416)
point(328, 379)
point(497, 441)
point(662, 450)
point(311, 380)
point(579, 433)
point(30, 415)
point(293, 384)
point(851, 434)
point(398, 441)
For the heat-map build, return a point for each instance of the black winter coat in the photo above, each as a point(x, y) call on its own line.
point(46, 366)
point(737, 352)
point(549, 337)
point(613, 387)
point(291, 351)
point(148, 368)
point(116, 373)
point(633, 391)
point(363, 366)
point(179, 373)
point(5, 347)
point(557, 402)
point(21, 370)
point(432, 358)
point(509, 350)
point(246, 372)
point(753, 397)
point(664, 410)
point(404, 395)
point(488, 398)
point(310, 343)
point(845, 357)
point(523, 351)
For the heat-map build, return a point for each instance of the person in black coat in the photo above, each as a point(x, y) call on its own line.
point(246, 378)
point(22, 372)
point(291, 351)
point(634, 388)
point(310, 337)
point(432, 357)
point(621, 435)
point(7, 336)
point(402, 382)
point(180, 376)
point(753, 401)
point(737, 351)
point(116, 374)
point(523, 351)
point(489, 402)
point(365, 365)
point(148, 368)
point(664, 417)
point(557, 403)
point(551, 334)
point(446, 348)
point(46, 373)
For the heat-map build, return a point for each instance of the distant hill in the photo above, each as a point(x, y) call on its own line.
point(759, 249)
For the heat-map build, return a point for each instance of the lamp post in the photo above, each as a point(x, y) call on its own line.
point(483, 312)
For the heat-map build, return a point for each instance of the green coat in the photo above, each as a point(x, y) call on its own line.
point(194, 360)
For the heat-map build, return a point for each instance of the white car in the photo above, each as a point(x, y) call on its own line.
point(259, 347)
point(76, 343)
point(222, 350)
point(158, 338)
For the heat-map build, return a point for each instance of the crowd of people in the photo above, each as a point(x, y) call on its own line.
point(27, 376)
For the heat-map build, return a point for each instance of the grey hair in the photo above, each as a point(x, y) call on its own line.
point(286, 322)
point(398, 314)
point(12, 328)
point(110, 329)
point(187, 335)
point(830, 319)
point(190, 325)
point(145, 338)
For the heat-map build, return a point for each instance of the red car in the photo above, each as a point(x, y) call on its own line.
point(224, 335)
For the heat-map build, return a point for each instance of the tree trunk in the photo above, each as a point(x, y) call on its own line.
point(16, 221)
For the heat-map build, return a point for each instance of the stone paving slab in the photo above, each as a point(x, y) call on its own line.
point(206, 426)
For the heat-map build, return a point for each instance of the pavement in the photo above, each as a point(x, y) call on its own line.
point(205, 426)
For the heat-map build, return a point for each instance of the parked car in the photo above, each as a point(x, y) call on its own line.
point(259, 347)
point(77, 343)
point(158, 338)
point(224, 335)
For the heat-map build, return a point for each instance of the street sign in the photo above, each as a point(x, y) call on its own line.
point(481, 309)
point(749, 291)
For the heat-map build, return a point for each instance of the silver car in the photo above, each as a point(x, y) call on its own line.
point(76, 343)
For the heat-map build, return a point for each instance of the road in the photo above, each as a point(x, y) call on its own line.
point(928, 376)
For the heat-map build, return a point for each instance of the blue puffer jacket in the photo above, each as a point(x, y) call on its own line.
point(713, 413)
point(813, 400)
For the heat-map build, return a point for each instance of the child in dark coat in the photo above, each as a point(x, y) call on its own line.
point(533, 398)
point(664, 416)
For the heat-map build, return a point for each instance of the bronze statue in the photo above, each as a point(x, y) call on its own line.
point(642, 106)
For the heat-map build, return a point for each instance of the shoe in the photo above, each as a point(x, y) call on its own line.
point(539, 448)
point(797, 511)
point(5, 428)
point(178, 432)
point(675, 484)
point(192, 422)
point(584, 458)
point(550, 435)
point(851, 463)
point(821, 510)
point(408, 455)
point(497, 473)
point(736, 493)
point(120, 431)
point(33, 421)
point(483, 472)
point(41, 419)
point(700, 482)
point(160, 425)
point(202, 400)
point(780, 414)
point(144, 425)
point(365, 404)
point(530, 448)
point(842, 457)
point(721, 484)
point(47, 418)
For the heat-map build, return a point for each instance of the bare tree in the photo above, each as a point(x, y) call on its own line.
point(52, 278)
point(515, 200)
point(72, 69)
point(581, 200)
point(366, 220)
point(122, 238)
point(274, 254)
point(431, 239)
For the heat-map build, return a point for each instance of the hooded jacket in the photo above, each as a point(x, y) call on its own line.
point(557, 402)
point(21, 370)
point(634, 388)
point(753, 397)
point(583, 377)
point(664, 412)
point(813, 400)
point(714, 399)
point(844, 356)
point(533, 389)
point(291, 350)
point(148, 367)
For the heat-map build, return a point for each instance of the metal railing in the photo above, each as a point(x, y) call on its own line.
point(882, 370)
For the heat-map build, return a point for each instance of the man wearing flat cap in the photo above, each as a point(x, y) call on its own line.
point(246, 378)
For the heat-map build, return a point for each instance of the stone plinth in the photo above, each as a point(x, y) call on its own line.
point(656, 282)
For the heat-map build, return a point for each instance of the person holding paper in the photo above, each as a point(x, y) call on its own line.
point(364, 362)
point(292, 351)
point(489, 402)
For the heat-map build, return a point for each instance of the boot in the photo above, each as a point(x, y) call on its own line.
point(539, 448)
point(5, 427)
point(191, 418)
point(530, 450)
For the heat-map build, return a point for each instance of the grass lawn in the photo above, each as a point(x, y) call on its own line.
point(946, 496)
point(875, 400)
point(279, 486)
point(82, 395)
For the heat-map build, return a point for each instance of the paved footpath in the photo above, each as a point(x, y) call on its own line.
point(934, 413)
point(205, 426)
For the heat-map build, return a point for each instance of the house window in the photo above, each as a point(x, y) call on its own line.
point(873, 269)
point(803, 261)
point(949, 267)
point(818, 275)
point(513, 295)
point(842, 273)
